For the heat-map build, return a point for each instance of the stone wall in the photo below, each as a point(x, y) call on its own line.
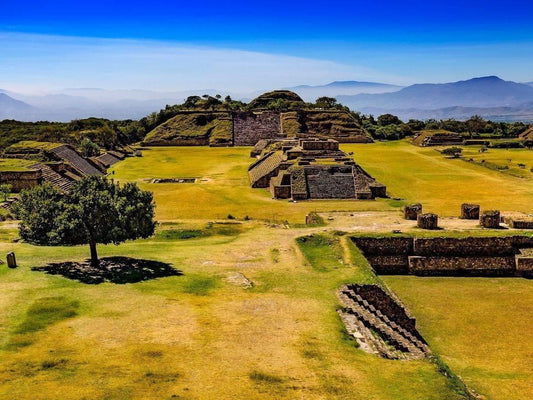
point(463, 266)
point(384, 246)
point(323, 184)
point(471, 246)
point(524, 266)
point(521, 223)
point(250, 127)
point(480, 256)
point(20, 180)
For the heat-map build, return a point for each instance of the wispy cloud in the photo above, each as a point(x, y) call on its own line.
point(39, 62)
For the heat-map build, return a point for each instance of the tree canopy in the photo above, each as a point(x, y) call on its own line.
point(95, 211)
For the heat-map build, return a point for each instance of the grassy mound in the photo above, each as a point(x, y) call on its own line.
point(194, 128)
point(31, 147)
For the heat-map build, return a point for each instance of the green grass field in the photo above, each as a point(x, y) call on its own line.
point(205, 335)
point(223, 186)
point(479, 326)
point(441, 185)
point(514, 162)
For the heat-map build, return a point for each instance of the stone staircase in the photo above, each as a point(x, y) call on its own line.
point(49, 175)
point(66, 153)
point(396, 341)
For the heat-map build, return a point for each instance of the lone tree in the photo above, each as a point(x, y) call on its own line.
point(5, 189)
point(95, 211)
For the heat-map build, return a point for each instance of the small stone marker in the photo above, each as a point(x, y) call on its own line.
point(469, 211)
point(411, 211)
point(428, 221)
point(11, 260)
point(490, 219)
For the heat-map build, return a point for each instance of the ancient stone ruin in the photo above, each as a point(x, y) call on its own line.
point(411, 212)
point(520, 223)
point(469, 211)
point(380, 324)
point(258, 121)
point(490, 219)
point(311, 169)
point(438, 138)
point(447, 256)
point(428, 221)
point(59, 164)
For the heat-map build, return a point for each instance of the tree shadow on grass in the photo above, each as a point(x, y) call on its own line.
point(111, 269)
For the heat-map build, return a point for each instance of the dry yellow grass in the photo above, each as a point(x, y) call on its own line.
point(480, 326)
point(201, 336)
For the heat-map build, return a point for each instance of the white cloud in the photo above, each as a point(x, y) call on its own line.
point(38, 62)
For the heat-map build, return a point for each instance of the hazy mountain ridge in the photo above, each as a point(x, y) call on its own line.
point(338, 88)
point(13, 108)
point(478, 92)
point(490, 97)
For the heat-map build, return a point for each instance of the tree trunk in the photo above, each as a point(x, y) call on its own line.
point(94, 254)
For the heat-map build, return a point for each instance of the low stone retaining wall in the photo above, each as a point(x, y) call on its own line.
point(20, 180)
point(464, 266)
point(472, 256)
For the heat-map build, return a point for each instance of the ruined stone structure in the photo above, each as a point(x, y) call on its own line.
point(379, 324)
point(472, 256)
point(58, 164)
point(20, 180)
point(279, 114)
point(312, 169)
point(438, 138)
point(490, 219)
point(411, 211)
point(469, 211)
point(250, 127)
point(428, 221)
point(520, 223)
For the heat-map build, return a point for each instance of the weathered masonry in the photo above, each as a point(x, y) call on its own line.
point(311, 169)
point(441, 256)
point(380, 324)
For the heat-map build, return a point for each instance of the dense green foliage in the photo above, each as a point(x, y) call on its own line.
point(104, 133)
point(109, 134)
point(95, 211)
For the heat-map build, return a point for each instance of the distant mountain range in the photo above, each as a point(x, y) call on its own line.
point(11, 108)
point(490, 97)
point(338, 88)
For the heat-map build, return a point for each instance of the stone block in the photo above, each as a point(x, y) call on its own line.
point(428, 221)
point(521, 223)
point(11, 260)
point(524, 266)
point(469, 211)
point(411, 211)
point(490, 219)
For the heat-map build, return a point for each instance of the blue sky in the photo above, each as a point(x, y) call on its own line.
point(173, 45)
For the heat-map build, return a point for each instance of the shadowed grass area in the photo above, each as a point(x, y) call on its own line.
point(200, 285)
point(322, 251)
point(47, 311)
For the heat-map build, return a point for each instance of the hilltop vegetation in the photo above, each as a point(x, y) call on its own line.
point(212, 123)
